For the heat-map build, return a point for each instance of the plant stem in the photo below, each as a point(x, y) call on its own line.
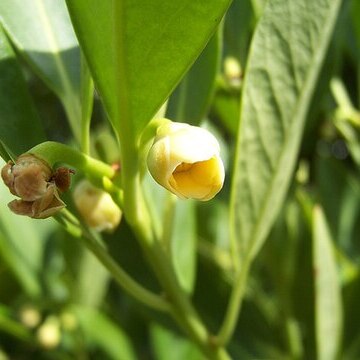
point(53, 153)
point(134, 205)
point(143, 295)
point(346, 109)
point(122, 278)
point(232, 313)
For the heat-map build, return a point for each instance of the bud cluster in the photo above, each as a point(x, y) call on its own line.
point(37, 186)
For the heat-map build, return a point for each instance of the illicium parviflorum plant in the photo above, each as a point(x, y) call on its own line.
point(180, 179)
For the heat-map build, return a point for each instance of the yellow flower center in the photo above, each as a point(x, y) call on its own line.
point(196, 180)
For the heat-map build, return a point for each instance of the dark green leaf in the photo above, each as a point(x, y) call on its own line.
point(20, 127)
point(191, 99)
point(41, 30)
point(237, 30)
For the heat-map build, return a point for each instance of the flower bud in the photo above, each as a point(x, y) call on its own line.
point(30, 316)
point(27, 178)
point(49, 333)
point(34, 182)
point(186, 160)
point(232, 71)
point(96, 207)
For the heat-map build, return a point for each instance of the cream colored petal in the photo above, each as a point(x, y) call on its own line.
point(96, 207)
point(185, 160)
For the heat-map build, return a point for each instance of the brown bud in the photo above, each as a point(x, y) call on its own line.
point(8, 177)
point(27, 178)
point(32, 179)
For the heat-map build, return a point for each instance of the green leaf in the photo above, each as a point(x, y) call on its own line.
point(168, 345)
point(237, 29)
point(20, 127)
point(225, 107)
point(22, 242)
point(92, 280)
point(283, 67)
point(87, 104)
point(137, 54)
point(101, 331)
point(328, 303)
point(43, 34)
point(175, 223)
point(183, 243)
point(191, 99)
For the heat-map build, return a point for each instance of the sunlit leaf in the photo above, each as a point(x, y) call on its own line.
point(283, 66)
point(328, 303)
point(157, 42)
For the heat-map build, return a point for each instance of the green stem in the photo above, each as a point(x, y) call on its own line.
point(232, 313)
point(182, 310)
point(143, 295)
point(123, 279)
point(53, 153)
point(135, 209)
point(346, 109)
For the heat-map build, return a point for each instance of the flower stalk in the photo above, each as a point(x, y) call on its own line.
point(73, 226)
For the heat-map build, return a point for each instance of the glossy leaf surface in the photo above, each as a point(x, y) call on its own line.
point(136, 70)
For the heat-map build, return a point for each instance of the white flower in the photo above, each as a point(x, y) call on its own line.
point(186, 160)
